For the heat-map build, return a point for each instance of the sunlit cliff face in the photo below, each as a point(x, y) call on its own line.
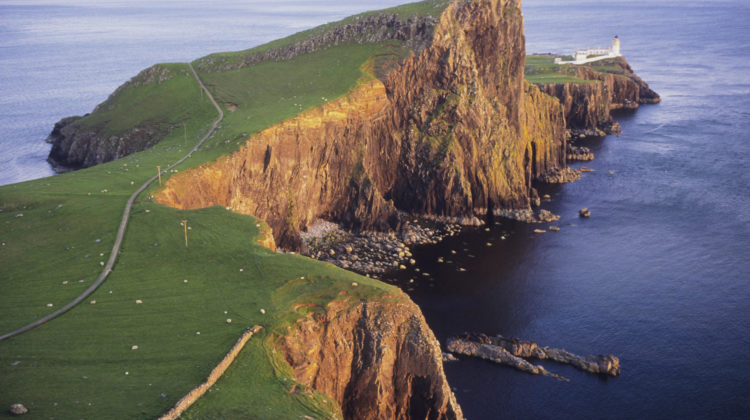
point(452, 131)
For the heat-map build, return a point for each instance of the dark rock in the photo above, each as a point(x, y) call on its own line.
point(560, 176)
point(579, 153)
point(493, 348)
point(449, 357)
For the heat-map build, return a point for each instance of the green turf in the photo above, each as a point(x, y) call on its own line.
point(53, 252)
point(423, 8)
point(75, 366)
point(258, 96)
point(608, 66)
point(541, 69)
point(68, 221)
point(161, 104)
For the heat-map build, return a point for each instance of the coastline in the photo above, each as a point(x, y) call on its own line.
point(380, 253)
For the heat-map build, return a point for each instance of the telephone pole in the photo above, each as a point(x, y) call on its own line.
point(158, 171)
point(184, 224)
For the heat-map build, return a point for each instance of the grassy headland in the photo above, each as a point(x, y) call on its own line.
point(541, 69)
point(55, 232)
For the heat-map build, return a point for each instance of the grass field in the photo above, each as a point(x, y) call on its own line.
point(608, 66)
point(541, 69)
point(81, 365)
point(56, 232)
point(160, 104)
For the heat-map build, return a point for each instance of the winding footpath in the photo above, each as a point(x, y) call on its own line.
point(123, 225)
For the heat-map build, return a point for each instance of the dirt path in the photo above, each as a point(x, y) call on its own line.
point(123, 225)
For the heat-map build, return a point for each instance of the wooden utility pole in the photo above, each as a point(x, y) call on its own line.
point(158, 171)
point(184, 224)
point(185, 130)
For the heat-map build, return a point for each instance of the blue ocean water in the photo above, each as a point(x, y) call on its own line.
point(659, 275)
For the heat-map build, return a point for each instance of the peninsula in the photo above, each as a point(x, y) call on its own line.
point(430, 110)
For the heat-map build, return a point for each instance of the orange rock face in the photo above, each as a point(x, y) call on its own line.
point(588, 106)
point(377, 360)
point(452, 131)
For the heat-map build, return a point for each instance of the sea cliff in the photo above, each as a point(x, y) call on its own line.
point(452, 131)
point(377, 360)
point(602, 87)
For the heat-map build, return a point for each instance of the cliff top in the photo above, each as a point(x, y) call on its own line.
point(54, 235)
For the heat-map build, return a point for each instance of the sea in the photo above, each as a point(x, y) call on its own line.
point(659, 275)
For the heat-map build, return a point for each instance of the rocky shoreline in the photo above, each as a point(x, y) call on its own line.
point(561, 176)
point(602, 130)
point(373, 253)
point(579, 153)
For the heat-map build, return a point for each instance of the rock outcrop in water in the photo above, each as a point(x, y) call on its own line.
point(378, 360)
point(454, 131)
point(512, 352)
point(588, 105)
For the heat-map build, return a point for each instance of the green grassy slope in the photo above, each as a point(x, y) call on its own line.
point(52, 252)
point(68, 221)
point(81, 365)
point(258, 96)
point(149, 102)
point(541, 69)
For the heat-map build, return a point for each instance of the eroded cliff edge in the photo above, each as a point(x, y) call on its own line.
point(377, 360)
point(605, 86)
point(453, 131)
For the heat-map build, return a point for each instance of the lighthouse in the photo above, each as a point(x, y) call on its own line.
point(591, 55)
point(616, 46)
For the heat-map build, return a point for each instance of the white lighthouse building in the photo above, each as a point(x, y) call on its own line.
point(616, 46)
point(594, 54)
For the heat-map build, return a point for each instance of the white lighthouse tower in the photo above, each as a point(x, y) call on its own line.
point(616, 47)
point(591, 55)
